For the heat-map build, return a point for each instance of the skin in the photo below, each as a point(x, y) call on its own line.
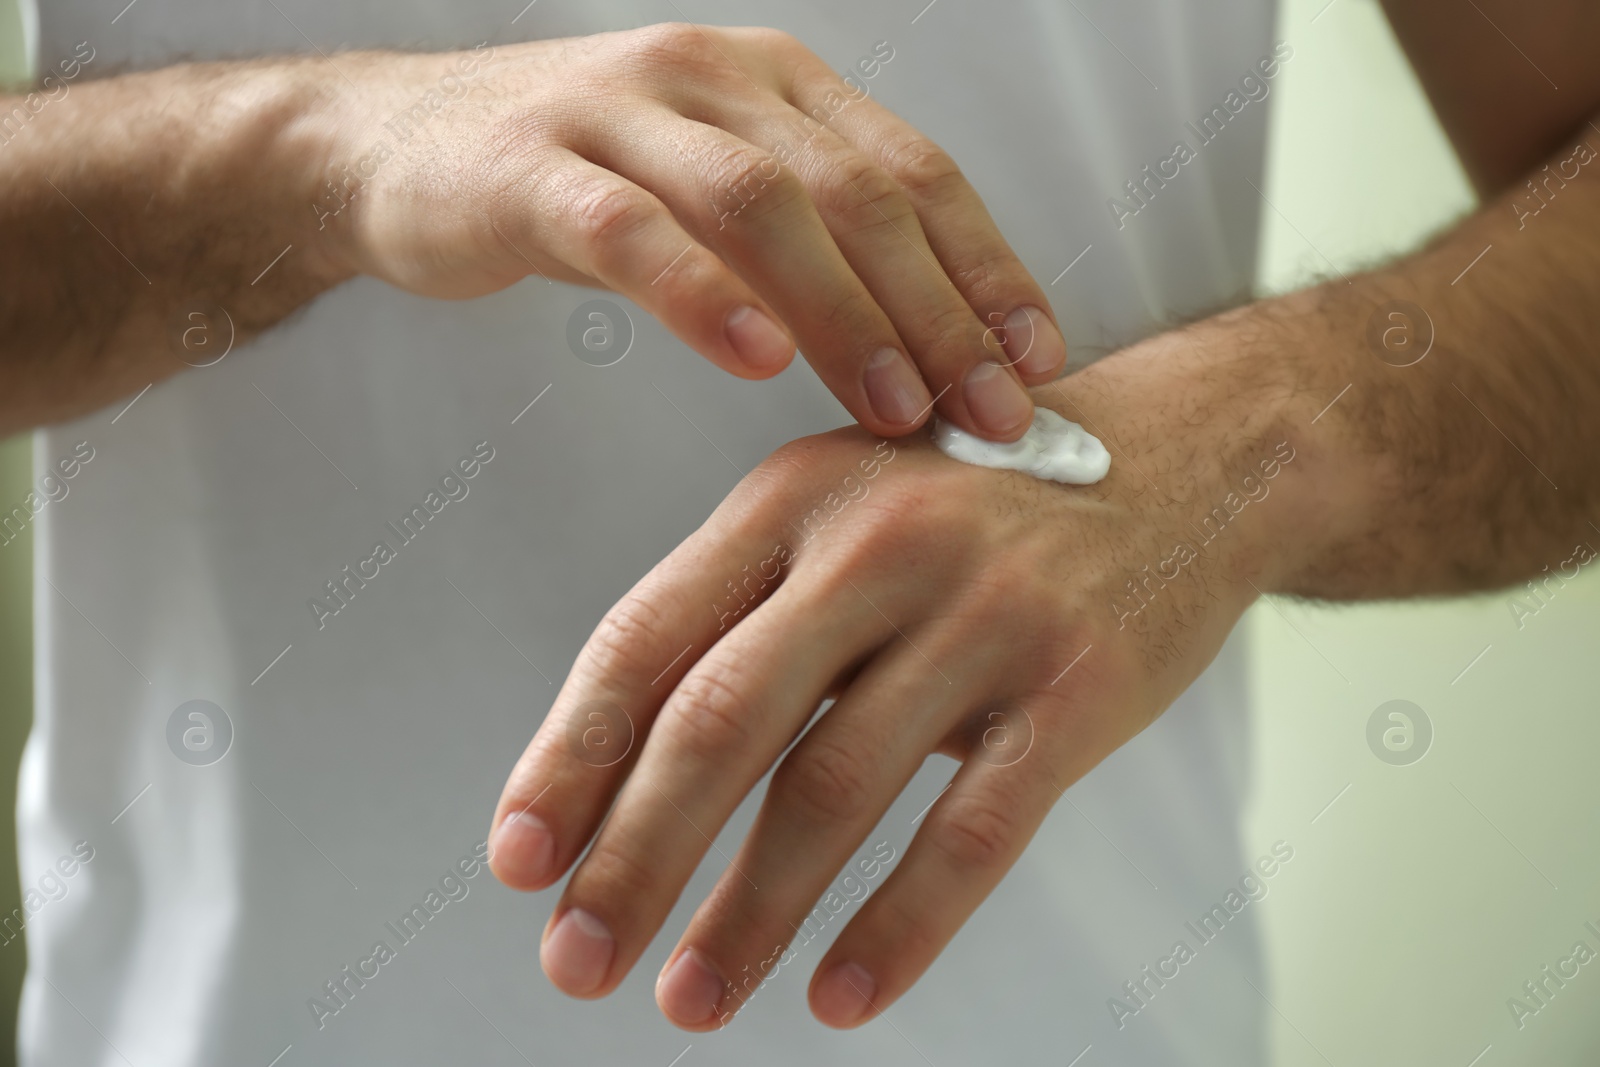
point(947, 593)
point(726, 180)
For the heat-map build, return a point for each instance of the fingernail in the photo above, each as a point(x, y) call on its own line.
point(995, 399)
point(758, 341)
point(578, 952)
point(1033, 344)
point(844, 995)
point(894, 388)
point(689, 990)
point(524, 849)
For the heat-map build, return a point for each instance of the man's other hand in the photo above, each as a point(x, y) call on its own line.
point(1024, 628)
point(725, 180)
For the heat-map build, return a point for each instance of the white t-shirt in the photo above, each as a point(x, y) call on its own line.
point(363, 758)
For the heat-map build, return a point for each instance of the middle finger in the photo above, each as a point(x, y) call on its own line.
point(881, 236)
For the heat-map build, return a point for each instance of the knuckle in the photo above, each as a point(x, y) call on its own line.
point(614, 872)
point(994, 275)
point(923, 168)
point(780, 480)
point(776, 41)
point(745, 177)
point(798, 457)
point(851, 313)
point(884, 529)
point(975, 833)
point(515, 152)
point(708, 715)
point(824, 782)
point(786, 480)
point(607, 213)
point(672, 55)
point(959, 325)
point(742, 168)
point(629, 639)
point(859, 192)
point(869, 552)
point(674, 43)
point(694, 273)
point(784, 53)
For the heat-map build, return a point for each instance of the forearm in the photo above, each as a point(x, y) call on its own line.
point(1475, 466)
point(130, 202)
point(1471, 468)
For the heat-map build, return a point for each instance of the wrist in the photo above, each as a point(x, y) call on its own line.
point(1220, 424)
point(306, 152)
point(398, 193)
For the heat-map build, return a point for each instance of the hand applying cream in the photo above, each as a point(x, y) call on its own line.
point(1053, 448)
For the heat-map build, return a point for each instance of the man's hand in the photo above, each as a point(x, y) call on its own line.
point(724, 179)
point(1025, 628)
point(727, 181)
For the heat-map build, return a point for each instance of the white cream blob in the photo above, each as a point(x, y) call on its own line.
point(1054, 448)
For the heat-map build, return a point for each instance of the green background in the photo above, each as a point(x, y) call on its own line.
point(1425, 895)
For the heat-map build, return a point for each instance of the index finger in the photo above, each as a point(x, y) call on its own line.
point(563, 784)
point(958, 228)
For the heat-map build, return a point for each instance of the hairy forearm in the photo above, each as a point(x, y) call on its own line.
point(1474, 466)
point(134, 207)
